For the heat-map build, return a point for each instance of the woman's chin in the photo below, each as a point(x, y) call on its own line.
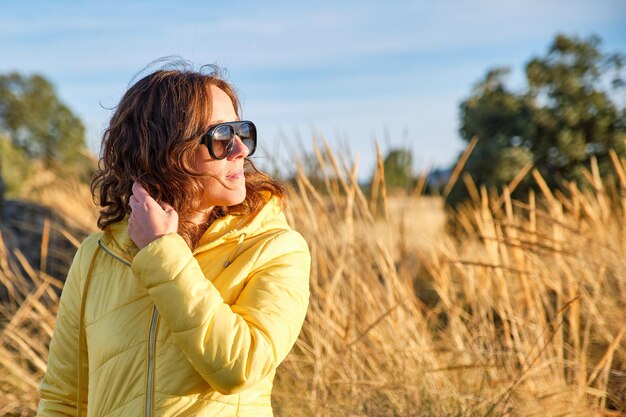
point(231, 199)
point(238, 200)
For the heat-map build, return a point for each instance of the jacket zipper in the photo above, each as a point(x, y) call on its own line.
point(151, 354)
point(124, 261)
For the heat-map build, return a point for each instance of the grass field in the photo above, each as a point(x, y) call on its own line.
point(520, 312)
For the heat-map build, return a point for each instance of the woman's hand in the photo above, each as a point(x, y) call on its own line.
point(149, 220)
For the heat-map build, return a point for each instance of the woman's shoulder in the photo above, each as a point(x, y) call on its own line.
point(284, 243)
point(91, 241)
point(88, 247)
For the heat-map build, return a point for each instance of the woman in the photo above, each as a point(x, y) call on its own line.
point(196, 288)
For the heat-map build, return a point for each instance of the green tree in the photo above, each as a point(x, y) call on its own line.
point(566, 113)
point(15, 168)
point(35, 120)
point(398, 169)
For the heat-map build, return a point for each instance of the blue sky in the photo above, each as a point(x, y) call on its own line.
point(352, 71)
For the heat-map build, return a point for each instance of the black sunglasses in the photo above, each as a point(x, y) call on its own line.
point(220, 139)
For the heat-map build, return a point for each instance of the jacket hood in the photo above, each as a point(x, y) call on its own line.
point(118, 243)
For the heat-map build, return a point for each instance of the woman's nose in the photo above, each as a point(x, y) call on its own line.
point(240, 150)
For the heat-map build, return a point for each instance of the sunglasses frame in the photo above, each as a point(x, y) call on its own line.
point(235, 127)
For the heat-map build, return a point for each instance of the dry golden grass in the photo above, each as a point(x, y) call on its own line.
point(69, 197)
point(521, 313)
point(27, 320)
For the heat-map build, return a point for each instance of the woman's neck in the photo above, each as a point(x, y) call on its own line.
point(201, 222)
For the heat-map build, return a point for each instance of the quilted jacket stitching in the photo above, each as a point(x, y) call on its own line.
point(123, 405)
point(117, 354)
point(142, 297)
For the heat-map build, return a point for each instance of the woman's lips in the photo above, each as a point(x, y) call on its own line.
point(236, 174)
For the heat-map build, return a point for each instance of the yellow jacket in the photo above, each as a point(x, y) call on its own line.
point(165, 331)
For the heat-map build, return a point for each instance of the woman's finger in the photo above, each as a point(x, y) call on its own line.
point(166, 207)
point(142, 198)
point(139, 192)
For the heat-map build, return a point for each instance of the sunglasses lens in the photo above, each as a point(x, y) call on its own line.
point(222, 141)
point(247, 134)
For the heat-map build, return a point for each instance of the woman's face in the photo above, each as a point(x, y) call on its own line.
point(224, 184)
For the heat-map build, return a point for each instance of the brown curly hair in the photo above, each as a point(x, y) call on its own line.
point(151, 138)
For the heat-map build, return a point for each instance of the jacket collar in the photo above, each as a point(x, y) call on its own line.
point(116, 241)
point(232, 227)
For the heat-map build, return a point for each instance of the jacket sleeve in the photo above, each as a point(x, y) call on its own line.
point(231, 346)
point(58, 388)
